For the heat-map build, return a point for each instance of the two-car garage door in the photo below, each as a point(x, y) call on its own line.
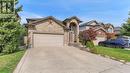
point(42, 40)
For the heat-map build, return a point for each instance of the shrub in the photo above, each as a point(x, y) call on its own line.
point(10, 48)
point(91, 46)
point(81, 40)
point(10, 36)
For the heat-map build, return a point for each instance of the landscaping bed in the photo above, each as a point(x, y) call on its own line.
point(114, 53)
point(10, 61)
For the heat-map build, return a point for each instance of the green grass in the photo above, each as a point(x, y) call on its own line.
point(117, 53)
point(10, 61)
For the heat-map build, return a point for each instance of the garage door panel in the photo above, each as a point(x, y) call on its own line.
point(41, 40)
point(98, 39)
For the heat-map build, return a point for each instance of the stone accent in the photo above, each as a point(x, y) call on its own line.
point(25, 40)
point(71, 34)
point(30, 38)
point(49, 26)
point(66, 38)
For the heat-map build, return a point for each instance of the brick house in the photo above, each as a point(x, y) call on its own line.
point(100, 28)
point(50, 31)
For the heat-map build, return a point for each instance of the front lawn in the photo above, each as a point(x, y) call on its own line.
point(117, 53)
point(10, 61)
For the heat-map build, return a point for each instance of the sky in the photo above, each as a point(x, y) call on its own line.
point(107, 11)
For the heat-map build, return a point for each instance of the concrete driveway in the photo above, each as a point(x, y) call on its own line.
point(67, 60)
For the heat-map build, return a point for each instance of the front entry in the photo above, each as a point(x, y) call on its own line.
point(73, 33)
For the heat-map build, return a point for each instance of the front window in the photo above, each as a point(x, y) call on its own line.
point(110, 30)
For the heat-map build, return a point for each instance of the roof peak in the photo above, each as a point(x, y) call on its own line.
point(72, 17)
point(40, 17)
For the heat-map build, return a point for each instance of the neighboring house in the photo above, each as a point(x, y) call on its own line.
point(101, 29)
point(50, 31)
point(117, 30)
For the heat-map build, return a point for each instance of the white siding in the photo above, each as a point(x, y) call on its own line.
point(84, 28)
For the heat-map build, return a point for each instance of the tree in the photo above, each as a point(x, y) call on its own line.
point(90, 35)
point(110, 35)
point(125, 30)
point(10, 31)
point(9, 10)
point(87, 37)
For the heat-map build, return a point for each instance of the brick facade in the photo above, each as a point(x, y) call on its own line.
point(50, 25)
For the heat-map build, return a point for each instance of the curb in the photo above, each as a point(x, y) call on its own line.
point(20, 64)
point(128, 63)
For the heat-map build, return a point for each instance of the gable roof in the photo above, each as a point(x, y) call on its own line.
point(100, 29)
point(36, 20)
point(33, 19)
point(89, 23)
point(117, 28)
point(108, 25)
point(73, 17)
point(105, 26)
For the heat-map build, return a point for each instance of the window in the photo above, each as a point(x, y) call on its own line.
point(110, 30)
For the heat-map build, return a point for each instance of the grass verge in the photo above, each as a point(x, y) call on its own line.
point(117, 53)
point(10, 61)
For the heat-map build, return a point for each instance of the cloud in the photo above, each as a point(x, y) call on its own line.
point(26, 14)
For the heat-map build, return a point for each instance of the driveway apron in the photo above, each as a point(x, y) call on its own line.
point(67, 60)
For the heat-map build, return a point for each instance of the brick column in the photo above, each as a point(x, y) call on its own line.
point(77, 33)
point(30, 39)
